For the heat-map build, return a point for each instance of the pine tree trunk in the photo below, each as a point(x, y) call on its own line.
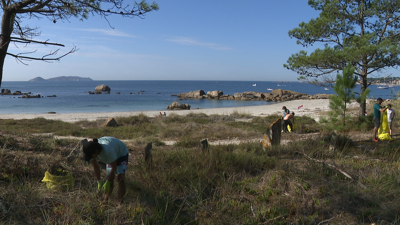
point(7, 25)
point(363, 104)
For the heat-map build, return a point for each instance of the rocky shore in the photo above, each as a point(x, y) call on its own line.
point(8, 92)
point(277, 95)
point(24, 95)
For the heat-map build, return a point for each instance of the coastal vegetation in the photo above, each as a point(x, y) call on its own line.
point(345, 94)
point(236, 182)
point(362, 33)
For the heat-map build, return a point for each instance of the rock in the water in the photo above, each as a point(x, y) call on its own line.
point(215, 94)
point(102, 88)
point(192, 94)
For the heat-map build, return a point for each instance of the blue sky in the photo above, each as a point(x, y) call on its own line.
point(184, 40)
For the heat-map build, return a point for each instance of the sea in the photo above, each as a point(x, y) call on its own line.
point(142, 95)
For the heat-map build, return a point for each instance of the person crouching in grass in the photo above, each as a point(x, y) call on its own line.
point(115, 154)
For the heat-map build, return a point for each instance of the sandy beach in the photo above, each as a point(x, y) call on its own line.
point(312, 108)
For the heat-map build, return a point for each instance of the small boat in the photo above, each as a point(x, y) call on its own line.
point(278, 85)
point(270, 89)
point(254, 85)
point(383, 87)
point(326, 89)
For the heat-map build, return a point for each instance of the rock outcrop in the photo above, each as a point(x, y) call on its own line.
point(192, 94)
point(8, 92)
point(110, 123)
point(178, 106)
point(274, 96)
point(215, 94)
point(31, 96)
point(102, 88)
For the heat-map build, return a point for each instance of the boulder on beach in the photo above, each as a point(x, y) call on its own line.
point(102, 88)
point(110, 123)
point(178, 106)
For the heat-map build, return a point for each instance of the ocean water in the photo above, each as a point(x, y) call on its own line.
point(73, 97)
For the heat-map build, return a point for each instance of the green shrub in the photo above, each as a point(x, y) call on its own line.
point(133, 120)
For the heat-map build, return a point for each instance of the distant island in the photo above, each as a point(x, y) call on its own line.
point(63, 78)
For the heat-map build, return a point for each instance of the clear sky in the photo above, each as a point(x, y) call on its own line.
point(184, 40)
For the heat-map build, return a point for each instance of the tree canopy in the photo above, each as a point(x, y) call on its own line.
point(16, 13)
point(363, 33)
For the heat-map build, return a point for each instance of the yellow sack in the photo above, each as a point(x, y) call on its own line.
point(385, 137)
point(62, 183)
point(383, 131)
point(289, 129)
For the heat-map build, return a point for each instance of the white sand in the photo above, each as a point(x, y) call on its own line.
point(312, 108)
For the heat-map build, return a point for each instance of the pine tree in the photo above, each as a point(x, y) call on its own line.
point(363, 32)
point(344, 88)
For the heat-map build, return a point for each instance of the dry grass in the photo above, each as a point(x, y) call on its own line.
point(231, 184)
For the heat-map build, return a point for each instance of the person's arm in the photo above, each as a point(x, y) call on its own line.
point(111, 177)
point(96, 169)
point(109, 184)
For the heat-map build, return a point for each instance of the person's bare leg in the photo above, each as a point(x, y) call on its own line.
point(121, 187)
point(375, 131)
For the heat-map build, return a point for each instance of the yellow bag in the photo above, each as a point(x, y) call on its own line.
point(62, 183)
point(383, 130)
point(289, 129)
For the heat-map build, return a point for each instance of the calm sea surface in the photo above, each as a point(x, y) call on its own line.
point(73, 97)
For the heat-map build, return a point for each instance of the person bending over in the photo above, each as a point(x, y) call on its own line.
point(114, 153)
point(286, 122)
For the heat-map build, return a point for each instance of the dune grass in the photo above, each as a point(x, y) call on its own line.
point(229, 184)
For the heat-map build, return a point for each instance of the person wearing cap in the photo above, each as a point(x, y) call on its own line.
point(114, 153)
point(377, 116)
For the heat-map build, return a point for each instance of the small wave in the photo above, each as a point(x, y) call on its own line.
point(96, 106)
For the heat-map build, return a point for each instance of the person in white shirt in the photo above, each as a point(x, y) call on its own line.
point(390, 116)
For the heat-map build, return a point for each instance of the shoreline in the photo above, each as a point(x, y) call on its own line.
point(311, 108)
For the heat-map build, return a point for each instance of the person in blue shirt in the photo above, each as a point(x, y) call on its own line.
point(378, 109)
point(114, 153)
point(285, 111)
